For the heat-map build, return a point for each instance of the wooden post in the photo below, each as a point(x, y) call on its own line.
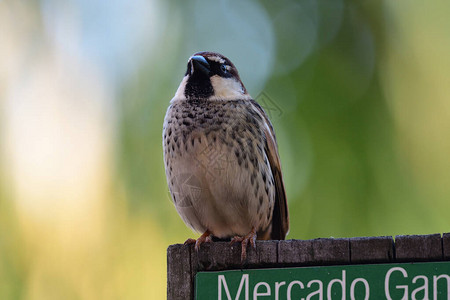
point(183, 262)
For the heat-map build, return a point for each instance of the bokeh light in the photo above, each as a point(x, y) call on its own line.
point(358, 98)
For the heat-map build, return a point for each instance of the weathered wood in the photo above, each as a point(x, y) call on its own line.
point(331, 251)
point(318, 251)
point(184, 262)
point(217, 256)
point(446, 245)
point(179, 275)
point(223, 256)
point(295, 252)
point(418, 247)
point(371, 249)
point(265, 256)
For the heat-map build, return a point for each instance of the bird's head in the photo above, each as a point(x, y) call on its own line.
point(211, 76)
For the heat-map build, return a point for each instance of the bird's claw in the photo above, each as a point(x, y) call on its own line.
point(204, 238)
point(190, 241)
point(249, 238)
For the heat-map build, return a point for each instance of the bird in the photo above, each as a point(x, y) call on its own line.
point(221, 158)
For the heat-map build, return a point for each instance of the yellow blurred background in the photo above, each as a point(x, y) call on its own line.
point(359, 95)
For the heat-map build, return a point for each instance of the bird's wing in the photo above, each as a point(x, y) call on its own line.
point(280, 218)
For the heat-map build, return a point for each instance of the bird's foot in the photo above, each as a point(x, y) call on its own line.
point(204, 238)
point(249, 238)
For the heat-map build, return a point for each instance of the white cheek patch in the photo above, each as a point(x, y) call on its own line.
point(179, 95)
point(227, 89)
point(224, 89)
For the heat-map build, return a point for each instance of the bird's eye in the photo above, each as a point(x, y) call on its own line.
point(223, 68)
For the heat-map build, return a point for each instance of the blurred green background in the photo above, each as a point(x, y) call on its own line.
point(359, 92)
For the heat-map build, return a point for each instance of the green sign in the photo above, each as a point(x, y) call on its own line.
point(378, 281)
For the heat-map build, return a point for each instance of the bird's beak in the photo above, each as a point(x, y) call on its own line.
point(199, 63)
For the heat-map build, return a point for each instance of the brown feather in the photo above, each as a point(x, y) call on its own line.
point(280, 218)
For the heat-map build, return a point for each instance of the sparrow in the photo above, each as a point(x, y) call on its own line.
point(221, 158)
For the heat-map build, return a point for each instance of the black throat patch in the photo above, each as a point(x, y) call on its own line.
point(198, 86)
